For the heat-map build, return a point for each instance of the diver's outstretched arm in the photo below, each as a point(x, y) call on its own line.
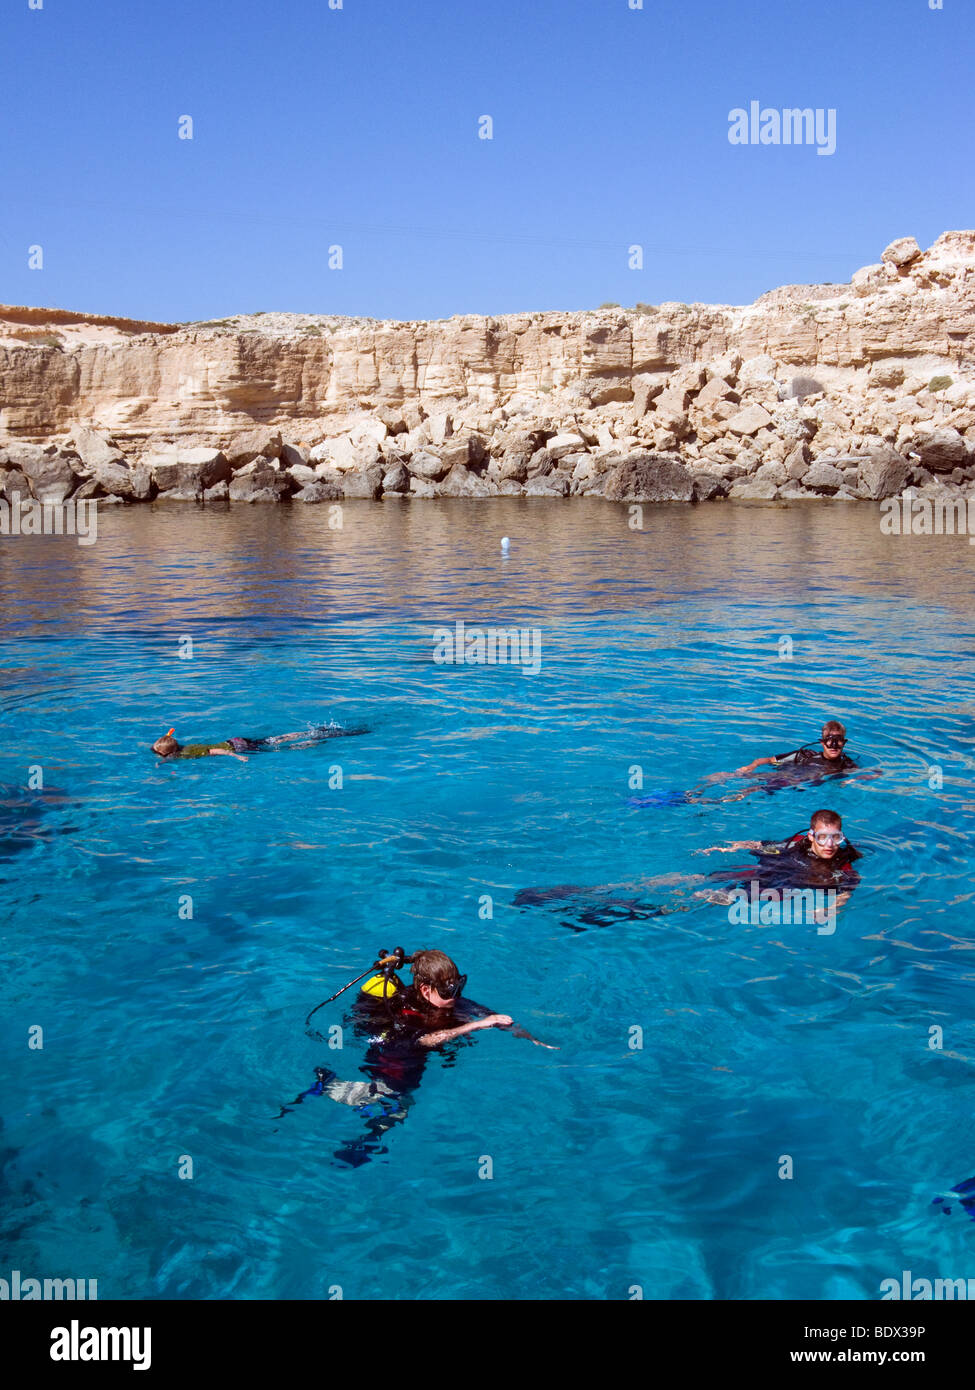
point(445, 1034)
point(728, 849)
point(226, 753)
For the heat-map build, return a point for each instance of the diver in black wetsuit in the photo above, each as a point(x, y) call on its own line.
point(805, 764)
point(401, 1023)
point(820, 857)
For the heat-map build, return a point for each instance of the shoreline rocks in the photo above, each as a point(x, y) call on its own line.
point(821, 392)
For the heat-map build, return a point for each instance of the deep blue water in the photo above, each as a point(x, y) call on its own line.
point(613, 1167)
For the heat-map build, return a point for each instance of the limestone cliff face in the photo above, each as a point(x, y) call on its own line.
point(158, 385)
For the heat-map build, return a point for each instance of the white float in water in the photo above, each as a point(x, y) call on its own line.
point(505, 545)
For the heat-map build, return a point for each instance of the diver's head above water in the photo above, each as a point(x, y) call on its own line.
point(833, 738)
point(166, 746)
point(825, 834)
point(436, 979)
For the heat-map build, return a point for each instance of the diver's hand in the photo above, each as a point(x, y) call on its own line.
point(496, 1021)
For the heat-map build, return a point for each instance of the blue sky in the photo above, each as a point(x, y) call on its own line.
point(358, 126)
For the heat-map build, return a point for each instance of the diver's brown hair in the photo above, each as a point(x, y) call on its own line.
point(825, 819)
point(165, 746)
point(433, 968)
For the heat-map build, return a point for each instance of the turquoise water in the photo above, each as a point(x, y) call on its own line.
point(613, 1166)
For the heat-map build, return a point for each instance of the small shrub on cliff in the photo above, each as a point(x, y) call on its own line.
point(38, 337)
point(939, 383)
point(609, 304)
point(641, 308)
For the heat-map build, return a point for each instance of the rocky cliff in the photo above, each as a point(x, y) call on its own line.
point(836, 390)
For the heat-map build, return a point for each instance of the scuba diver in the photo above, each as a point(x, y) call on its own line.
point(817, 858)
point(805, 766)
point(401, 1024)
point(167, 747)
point(820, 857)
point(828, 760)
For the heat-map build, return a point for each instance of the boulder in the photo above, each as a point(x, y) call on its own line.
point(461, 482)
point(797, 461)
point(427, 465)
point(750, 420)
point(95, 450)
point(867, 280)
point(821, 476)
point(396, 477)
point(728, 365)
point(561, 444)
point(456, 450)
point(901, 252)
point(439, 428)
point(707, 487)
point(540, 464)
point(645, 389)
point(197, 469)
point(772, 472)
point(716, 389)
point(13, 483)
point(422, 487)
point(163, 469)
point(393, 420)
point(883, 473)
point(514, 464)
point(50, 475)
point(670, 412)
point(251, 444)
point(548, 485)
point(757, 371)
point(259, 485)
point(888, 374)
point(291, 456)
point(941, 449)
point(302, 473)
point(754, 490)
point(365, 485)
point(321, 490)
point(649, 478)
point(220, 492)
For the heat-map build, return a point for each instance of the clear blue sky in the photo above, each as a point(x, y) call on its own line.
point(359, 126)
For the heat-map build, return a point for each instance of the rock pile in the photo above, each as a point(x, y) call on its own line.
point(838, 392)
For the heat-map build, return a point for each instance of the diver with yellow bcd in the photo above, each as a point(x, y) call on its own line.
point(401, 1023)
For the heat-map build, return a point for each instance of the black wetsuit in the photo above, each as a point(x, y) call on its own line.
point(813, 757)
point(393, 1028)
point(806, 765)
point(791, 863)
point(394, 1062)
